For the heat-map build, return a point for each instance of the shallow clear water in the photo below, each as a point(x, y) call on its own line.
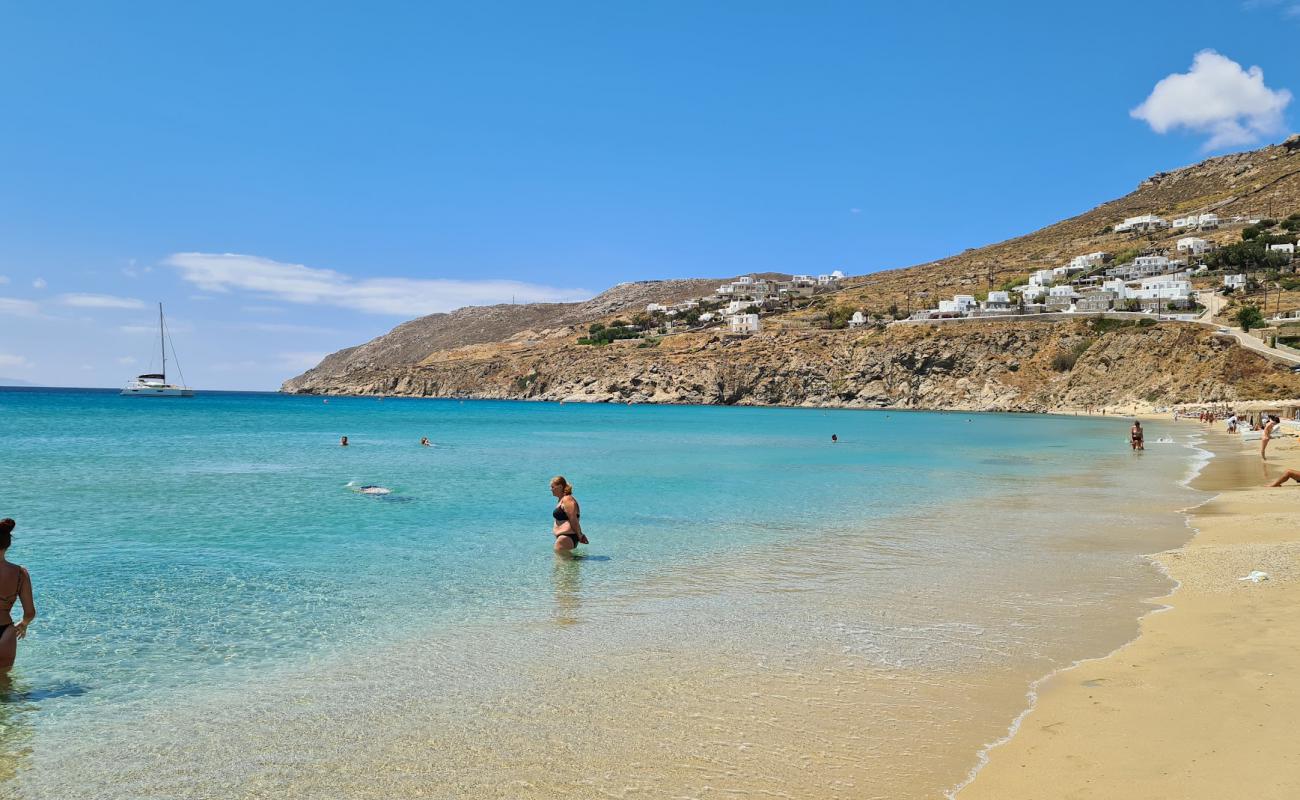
point(204, 559)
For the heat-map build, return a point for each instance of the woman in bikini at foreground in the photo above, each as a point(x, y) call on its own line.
point(566, 527)
point(15, 585)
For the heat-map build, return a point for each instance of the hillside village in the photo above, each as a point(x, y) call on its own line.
point(1200, 258)
point(1170, 280)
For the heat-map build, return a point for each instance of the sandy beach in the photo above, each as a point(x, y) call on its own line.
point(1202, 704)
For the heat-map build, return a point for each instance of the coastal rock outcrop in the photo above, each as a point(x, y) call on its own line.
point(1007, 366)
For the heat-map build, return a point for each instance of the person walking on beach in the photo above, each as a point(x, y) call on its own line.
point(1272, 422)
point(1135, 436)
point(15, 585)
point(567, 527)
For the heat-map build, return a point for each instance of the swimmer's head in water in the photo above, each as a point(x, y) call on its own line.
point(343, 440)
point(560, 487)
point(6, 533)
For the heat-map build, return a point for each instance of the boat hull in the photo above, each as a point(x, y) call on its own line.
point(168, 391)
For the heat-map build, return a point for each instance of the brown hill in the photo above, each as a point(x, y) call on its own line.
point(414, 341)
point(1259, 183)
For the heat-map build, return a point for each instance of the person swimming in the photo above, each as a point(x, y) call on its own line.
point(370, 489)
point(16, 585)
point(424, 441)
point(566, 527)
point(343, 441)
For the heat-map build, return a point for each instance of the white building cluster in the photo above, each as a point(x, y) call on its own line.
point(744, 297)
point(1197, 222)
point(1152, 283)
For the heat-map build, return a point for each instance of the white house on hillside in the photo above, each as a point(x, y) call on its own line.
point(1087, 261)
point(744, 323)
point(1234, 281)
point(1167, 291)
point(1282, 248)
point(1193, 245)
point(1145, 222)
point(1042, 277)
point(1032, 292)
point(653, 307)
point(857, 320)
point(1144, 266)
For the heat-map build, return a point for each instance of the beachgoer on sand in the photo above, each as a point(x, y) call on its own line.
point(15, 585)
point(1267, 435)
point(1289, 475)
point(566, 527)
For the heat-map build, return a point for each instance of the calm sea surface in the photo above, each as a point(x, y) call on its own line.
point(221, 616)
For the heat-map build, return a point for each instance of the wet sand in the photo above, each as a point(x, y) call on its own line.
point(1203, 703)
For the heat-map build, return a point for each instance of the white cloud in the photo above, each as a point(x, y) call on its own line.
point(4, 279)
point(1218, 98)
point(81, 300)
point(13, 307)
point(409, 297)
point(1290, 8)
point(283, 327)
point(39, 283)
point(126, 361)
point(8, 361)
point(173, 326)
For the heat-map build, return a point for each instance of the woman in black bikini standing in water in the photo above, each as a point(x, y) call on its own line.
point(15, 585)
point(566, 527)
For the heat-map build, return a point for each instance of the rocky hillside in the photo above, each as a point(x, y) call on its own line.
point(1029, 366)
point(414, 341)
point(530, 351)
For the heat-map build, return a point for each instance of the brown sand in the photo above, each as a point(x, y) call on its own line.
point(1204, 703)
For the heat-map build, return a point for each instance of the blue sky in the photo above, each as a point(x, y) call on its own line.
point(291, 178)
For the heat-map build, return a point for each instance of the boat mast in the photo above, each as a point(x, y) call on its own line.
point(162, 340)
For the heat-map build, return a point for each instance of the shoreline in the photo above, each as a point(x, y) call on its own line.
point(1119, 725)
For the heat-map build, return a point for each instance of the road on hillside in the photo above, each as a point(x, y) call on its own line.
point(1214, 303)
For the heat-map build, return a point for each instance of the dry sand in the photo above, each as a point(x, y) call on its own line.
point(1204, 703)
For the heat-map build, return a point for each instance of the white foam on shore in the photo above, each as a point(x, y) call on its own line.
point(1202, 458)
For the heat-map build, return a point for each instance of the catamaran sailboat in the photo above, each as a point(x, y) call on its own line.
point(155, 383)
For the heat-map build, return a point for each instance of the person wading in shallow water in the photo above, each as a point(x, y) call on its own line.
point(1135, 436)
point(15, 585)
point(566, 526)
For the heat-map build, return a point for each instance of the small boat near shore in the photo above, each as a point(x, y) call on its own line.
point(154, 384)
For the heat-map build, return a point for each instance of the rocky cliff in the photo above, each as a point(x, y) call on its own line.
point(1026, 366)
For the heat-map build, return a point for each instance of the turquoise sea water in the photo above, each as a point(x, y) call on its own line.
point(184, 550)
